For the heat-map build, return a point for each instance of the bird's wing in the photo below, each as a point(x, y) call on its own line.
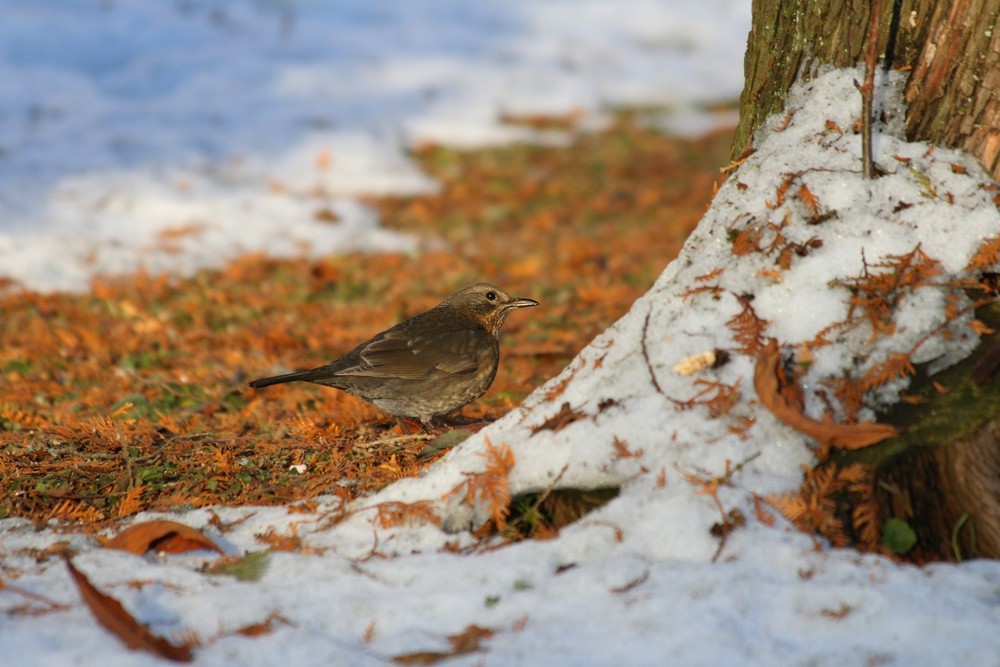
point(397, 354)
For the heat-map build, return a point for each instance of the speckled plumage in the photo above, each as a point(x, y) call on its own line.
point(428, 365)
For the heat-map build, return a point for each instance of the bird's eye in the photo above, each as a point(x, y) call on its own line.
point(491, 296)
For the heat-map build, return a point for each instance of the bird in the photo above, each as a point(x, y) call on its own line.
point(428, 365)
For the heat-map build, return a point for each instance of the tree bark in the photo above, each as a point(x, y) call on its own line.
point(947, 495)
point(942, 476)
point(950, 47)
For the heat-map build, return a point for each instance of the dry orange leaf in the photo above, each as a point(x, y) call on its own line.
point(466, 641)
point(747, 241)
point(161, 535)
point(112, 615)
point(396, 513)
point(557, 422)
point(981, 328)
point(264, 627)
point(761, 512)
point(773, 396)
point(832, 127)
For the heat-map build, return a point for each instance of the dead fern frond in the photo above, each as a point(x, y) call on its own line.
point(71, 510)
point(875, 296)
point(718, 397)
point(622, 450)
point(308, 429)
point(24, 419)
point(748, 328)
point(132, 502)
point(491, 486)
point(897, 366)
point(813, 508)
point(783, 188)
point(394, 513)
point(810, 201)
point(748, 241)
point(987, 255)
point(864, 513)
point(711, 275)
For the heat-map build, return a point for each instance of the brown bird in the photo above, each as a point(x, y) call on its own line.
point(428, 365)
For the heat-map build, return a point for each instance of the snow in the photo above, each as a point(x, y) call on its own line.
point(640, 581)
point(174, 135)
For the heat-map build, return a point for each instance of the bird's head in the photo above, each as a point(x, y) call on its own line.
point(487, 304)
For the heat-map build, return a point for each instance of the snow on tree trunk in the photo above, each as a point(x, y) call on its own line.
point(950, 48)
point(855, 280)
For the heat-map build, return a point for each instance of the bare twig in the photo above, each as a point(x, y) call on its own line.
point(541, 498)
point(868, 90)
point(645, 354)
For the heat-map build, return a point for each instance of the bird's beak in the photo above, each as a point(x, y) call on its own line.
point(522, 302)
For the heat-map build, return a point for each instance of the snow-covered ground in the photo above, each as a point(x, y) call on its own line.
point(174, 134)
point(636, 582)
point(238, 121)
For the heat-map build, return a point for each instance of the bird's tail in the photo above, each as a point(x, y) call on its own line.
point(300, 376)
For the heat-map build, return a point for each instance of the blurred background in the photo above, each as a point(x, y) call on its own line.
point(172, 135)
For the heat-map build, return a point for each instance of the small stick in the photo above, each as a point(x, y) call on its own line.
point(868, 91)
point(645, 354)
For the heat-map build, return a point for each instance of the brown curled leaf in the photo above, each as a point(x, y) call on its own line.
point(161, 535)
point(113, 616)
point(467, 641)
point(557, 422)
point(774, 397)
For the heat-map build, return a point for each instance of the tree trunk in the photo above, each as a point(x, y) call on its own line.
point(942, 477)
point(950, 47)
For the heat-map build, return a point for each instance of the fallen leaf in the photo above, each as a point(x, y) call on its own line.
point(161, 535)
point(560, 420)
point(264, 627)
point(421, 658)
point(326, 215)
point(112, 615)
point(251, 567)
point(774, 397)
point(445, 441)
point(466, 641)
point(641, 579)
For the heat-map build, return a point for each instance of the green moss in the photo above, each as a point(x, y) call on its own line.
point(943, 417)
